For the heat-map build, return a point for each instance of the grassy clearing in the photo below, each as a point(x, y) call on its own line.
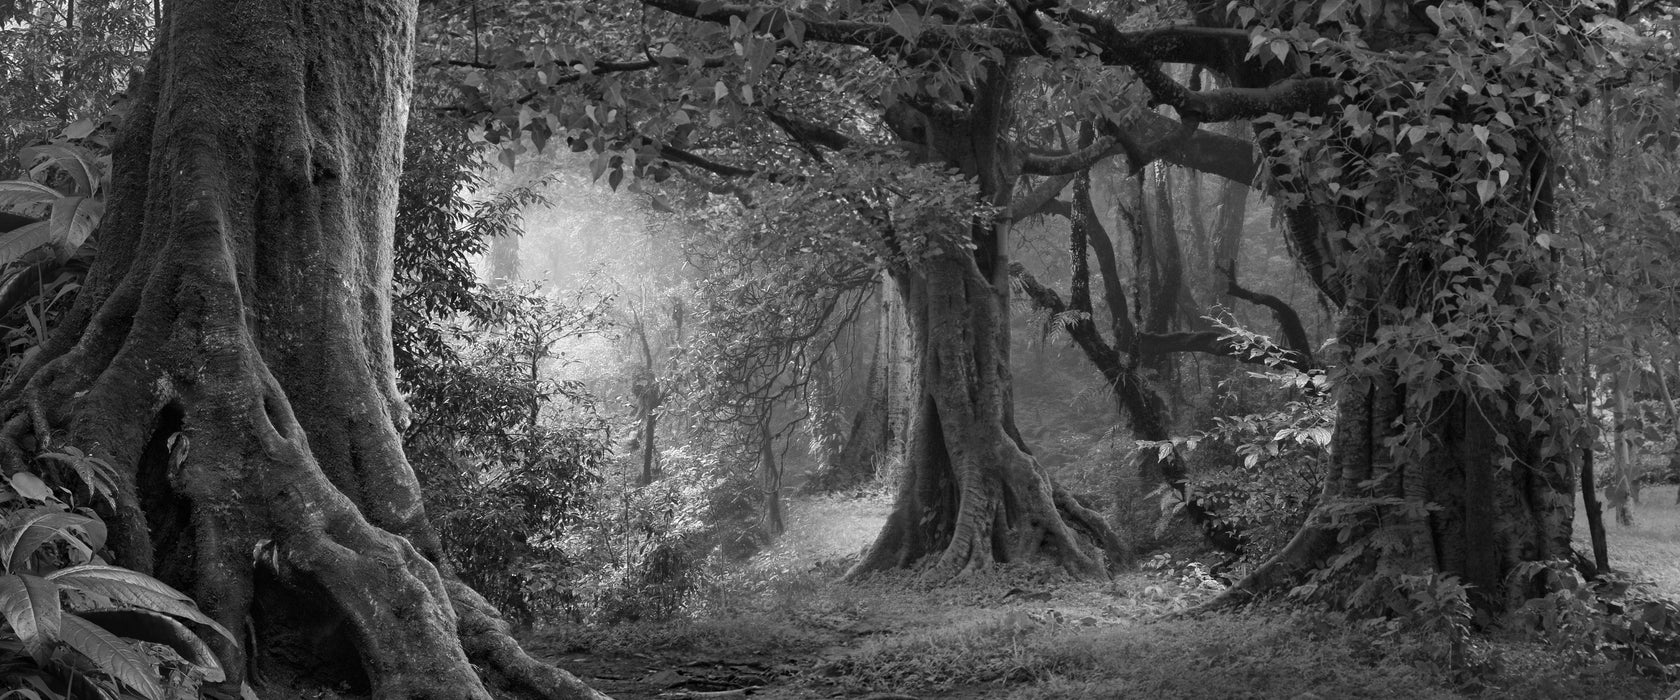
point(1022, 632)
point(1650, 548)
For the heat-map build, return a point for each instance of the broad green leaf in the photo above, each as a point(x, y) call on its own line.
point(1485, 189)
point(136, 589)
point(1329, 10)
point(30, 486)
point(157, 628)
point(19, 241)
point(110, 654)
point(27, 530)
point(80, 129)
point(77, 162)
point(906, 23)
point(73, 220)
point(30, 604)
point(1279, 49)
point(27, 198)
point(96, 473)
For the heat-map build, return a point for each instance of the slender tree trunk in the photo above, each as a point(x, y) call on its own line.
point(650, 394)
point(824, 409)
point(650, 425)
point(1673, 413)
point(866, 440)
point(230, 356)
point(1620, 492)
point(876, 433)
point(770, 479)
point(1228, 234)
point(503, 259)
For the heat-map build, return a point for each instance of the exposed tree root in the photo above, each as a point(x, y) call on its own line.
point(229, 358)
point(488, 643)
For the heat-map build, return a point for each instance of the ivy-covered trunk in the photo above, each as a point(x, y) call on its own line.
point(1427, 478)
point(1421, 205)
point(230, 357)
point(972, 493)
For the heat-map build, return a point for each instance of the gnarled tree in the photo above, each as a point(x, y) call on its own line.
point(1420, 203)
point(230, 356)
point(726, 89)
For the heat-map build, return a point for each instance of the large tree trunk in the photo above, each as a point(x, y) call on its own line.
point(230, 356)
point(1466, 506)
point(972, 494)
point(1454, 447)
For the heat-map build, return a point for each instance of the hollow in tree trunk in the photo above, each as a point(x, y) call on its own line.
point(230, 356)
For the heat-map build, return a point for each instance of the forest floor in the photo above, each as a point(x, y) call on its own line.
point(785, 627)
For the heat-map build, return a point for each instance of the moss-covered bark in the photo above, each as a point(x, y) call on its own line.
point(230, 355)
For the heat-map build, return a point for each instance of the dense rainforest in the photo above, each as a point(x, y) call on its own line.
point(839, 348)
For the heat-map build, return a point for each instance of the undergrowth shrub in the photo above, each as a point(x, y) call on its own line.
point(507, 455)
point(1260, 472)
point(656, 549)
point(74, 624)
point(1611, 619)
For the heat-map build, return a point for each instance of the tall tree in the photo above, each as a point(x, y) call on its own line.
point(231, 356)
point(724, 90)
point(1421, 204)
point(1138, 340)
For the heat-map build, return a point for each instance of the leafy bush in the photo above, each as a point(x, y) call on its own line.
point(652, 553)
point(505, 453)
point(47, 224)
point(1612, 619)
point(1261, 473)
point(73, 621)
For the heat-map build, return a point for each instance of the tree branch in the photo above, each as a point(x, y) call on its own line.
point(1108, 265)
point(678, 155)
point(1040, 200)
point(1289, 322)
point(1146, 137)
point(809, 134)
point(875, 36)
point(1082, 330)
point(1310, 95)
point(1069, 162)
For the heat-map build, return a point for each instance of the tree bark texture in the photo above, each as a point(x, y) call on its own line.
point(230, 356)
